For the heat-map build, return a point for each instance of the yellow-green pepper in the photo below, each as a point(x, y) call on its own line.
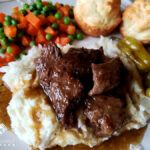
point(147, 92)
point(147, 79)
point(136, 51)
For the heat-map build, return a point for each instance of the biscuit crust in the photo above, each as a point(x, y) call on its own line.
point(136, 21)
point(96, 17)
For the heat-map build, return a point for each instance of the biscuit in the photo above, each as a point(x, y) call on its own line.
point(97, 17)
point(136, 21)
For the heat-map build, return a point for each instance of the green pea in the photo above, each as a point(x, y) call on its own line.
point(1, 25)
point(5, 42)
point(32, 43)
point(20, 33)
point(23, 11)
point(71, 37)
point(36, 12)
point(8, 18)
point(25, 6)
point(11, 39)
point(22, 54)
point(38, 1)
point(43, 13)
point(54, 26)
point(45, 8)
point(1, 30)
point(2, 51)
point(7, 23)
point(48, 37)
point(67, 20)
point(79, 36)
point(39, 5)
point(32, 7)
point(58, 15)
point(9, 49)
point(2, 35)
point(71, 7)
point(14, 22)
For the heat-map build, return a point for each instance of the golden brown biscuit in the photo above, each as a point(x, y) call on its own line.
point(97, 17)
point(136, 21)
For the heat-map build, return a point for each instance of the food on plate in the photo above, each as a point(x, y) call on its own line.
point(105, 78)
point(97, 17)
point(37, 23)
point(136, 20)
point(140, 56)
point(56, 99)
point(136, 51)
point(106, 114)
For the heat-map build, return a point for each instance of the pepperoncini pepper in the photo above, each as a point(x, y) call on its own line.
point(147, 83)
point(136, 51)
point(147, 79)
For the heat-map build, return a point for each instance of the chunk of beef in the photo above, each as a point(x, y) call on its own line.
point(105, 114)
point(65, 92)
point(106, 76)
point(45, 64)
point(66, 79)
point(78, 62)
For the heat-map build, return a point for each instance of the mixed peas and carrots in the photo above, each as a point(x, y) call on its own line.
point(37, 23)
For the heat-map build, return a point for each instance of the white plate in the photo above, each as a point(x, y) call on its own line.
point(8, 141)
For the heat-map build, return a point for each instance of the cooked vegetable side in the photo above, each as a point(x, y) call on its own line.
point(37, 23)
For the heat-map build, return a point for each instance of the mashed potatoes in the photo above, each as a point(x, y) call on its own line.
point(33, 119)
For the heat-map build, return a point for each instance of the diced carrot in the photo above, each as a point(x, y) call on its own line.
point(45, 3)
point(28, 10)
point(10, 31)
point(1, 59)
point(51, 19)
point(40, 38)
point(15, 49)
point(57, 5)
point(57, 40)
point(23, 22)
point(63, 34)
point(64, 41)
point(16, 15)
point(21, 26)
point(1, 65)
point(63, 27)
point(51, 31)
point(71, 29)
point(34, 20)
point(43, 19)
point(60, 21)
point(15, 9)
point(8, 57)
point(25, 41)
point(65, 10)
point(2, 16)
point(31, 30)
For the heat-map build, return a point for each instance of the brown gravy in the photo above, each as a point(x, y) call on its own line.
point(121, 142)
